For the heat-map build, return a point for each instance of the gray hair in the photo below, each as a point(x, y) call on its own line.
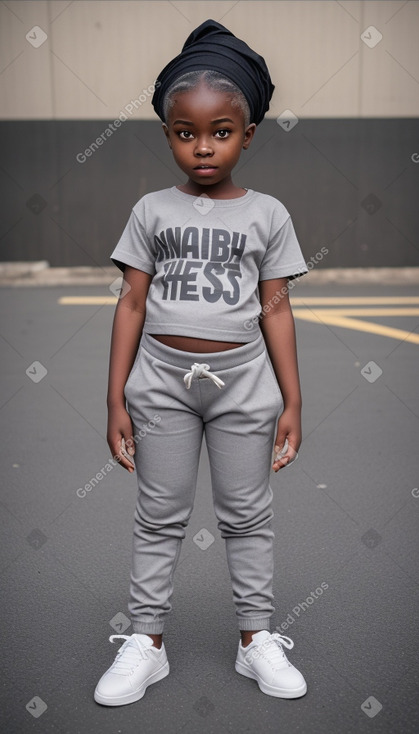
point(214, 80)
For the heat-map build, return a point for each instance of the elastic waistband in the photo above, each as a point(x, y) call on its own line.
point(217, 360)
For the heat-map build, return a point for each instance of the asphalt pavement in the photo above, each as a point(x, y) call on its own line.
point(346, 527)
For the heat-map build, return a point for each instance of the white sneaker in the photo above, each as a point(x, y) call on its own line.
point(137, 664)
point(265, 661)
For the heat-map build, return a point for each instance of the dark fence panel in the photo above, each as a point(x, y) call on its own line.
point(351, 185)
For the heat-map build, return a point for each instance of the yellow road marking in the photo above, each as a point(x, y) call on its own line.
point(360, 311)
point(87, 300)
point(340, 317)
point(310, 301)
point(354, 300)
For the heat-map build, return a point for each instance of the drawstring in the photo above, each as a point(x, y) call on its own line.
point(201, 370)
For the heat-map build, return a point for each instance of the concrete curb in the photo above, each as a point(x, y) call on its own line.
point(38, 273)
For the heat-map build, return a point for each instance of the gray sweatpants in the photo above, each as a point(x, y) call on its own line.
point(239, 420)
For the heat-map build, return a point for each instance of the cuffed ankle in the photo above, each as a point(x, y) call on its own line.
point(254, 623)
point(147, 628)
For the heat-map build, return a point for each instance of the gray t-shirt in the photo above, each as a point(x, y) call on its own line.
point(206, 257)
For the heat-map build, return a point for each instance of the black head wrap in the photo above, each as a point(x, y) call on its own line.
point(212, 46)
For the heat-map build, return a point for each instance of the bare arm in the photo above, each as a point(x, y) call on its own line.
point(126, 333)
point(278, 329)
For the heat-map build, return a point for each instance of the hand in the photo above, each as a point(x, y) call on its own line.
point(120, 436)
point(288, 438)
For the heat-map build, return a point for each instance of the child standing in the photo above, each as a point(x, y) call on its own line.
point(203, 340)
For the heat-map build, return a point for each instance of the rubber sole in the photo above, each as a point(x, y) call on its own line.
point(270, 690)
point(135, 695)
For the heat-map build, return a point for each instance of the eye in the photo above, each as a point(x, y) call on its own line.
point(185, 132)
point(223, 133)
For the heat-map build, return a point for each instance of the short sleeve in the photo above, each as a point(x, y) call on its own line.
point(283, 257)
point(134, 247)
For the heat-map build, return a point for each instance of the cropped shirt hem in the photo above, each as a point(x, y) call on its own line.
point(215, 334)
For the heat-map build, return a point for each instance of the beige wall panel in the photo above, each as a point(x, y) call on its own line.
point(114, 55)
point(25, 71)
point(386, 88)
point(100, 55)
point(304, 44)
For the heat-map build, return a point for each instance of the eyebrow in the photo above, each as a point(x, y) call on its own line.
point(213, 122)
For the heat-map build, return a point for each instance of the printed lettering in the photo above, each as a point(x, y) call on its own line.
point(190, 242)
point(219, 245)
point(213, 295)
point(188, 291)
point(232, 298)
point(184, 252)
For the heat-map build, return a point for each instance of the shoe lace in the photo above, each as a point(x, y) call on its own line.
point(272, 650)
point(128, 654)
point(201, 370)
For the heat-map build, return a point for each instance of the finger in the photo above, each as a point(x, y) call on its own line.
point(122, 456)
point(129, 445)
point(279, 452)
point(285, 459)
point(127, 460)
point(280, 464)
point(292, 454)
point(127, 464)
point(281, 444)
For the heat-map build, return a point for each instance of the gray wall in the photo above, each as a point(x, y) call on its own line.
point(323, 170)
point(347, 171)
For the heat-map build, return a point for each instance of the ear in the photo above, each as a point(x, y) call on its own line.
point(167, 134)
point(248, 135)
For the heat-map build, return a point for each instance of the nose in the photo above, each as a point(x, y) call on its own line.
point(203, 147)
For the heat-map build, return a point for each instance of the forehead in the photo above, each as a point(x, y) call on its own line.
point(203, 102)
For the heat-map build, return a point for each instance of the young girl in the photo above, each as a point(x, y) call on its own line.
point(203, 341)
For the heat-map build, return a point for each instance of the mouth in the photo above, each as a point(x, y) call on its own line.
point(205, 170)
